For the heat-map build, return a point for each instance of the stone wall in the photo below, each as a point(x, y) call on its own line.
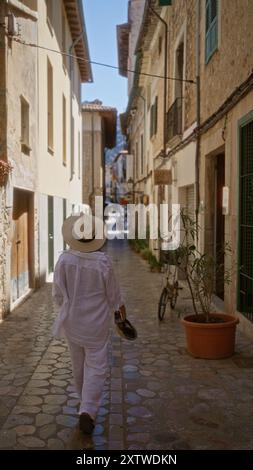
point(136, 8)
point(182, 25)
point(4, 251)
point(232, 63)
point(3, 98)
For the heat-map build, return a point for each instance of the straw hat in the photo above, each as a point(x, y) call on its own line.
point(81, 233)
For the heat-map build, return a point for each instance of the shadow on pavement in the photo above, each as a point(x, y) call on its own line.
point(79, 441)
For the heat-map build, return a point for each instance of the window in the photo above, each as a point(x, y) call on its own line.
point(32, 4)
point(160, 43)
point(24, 126)
point(179, 70)
point(136, 160)
point(79, 155)
point(72, 146)
point(142, 155)
point(50, 108)
point(64, 46)
point(148, 95)
point(50, 12)
point(211, 28)
point(64, 130)
point(153, 118)
point(64, 213)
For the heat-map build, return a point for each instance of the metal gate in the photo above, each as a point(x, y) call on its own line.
point(245, 247)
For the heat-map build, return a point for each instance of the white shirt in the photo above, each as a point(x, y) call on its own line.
point(87, 291)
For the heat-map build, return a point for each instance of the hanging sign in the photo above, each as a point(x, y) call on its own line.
point(164, 3)
point(162, 177)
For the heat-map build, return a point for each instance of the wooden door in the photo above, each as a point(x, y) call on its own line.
point(245, 245)
point(50, 234)
point(20, 246)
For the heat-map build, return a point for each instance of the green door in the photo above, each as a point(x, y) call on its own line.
point(245, 252)
point(50, 234)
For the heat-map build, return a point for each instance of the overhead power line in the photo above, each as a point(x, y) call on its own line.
point(24, 43)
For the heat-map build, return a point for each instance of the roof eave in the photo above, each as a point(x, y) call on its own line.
point(145, 29)
point(85, 41)
point(76, 21)
point(123, 43)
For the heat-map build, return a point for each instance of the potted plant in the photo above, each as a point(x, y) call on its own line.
point(209, 334)
point(5, 170)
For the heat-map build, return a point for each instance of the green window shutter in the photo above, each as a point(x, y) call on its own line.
point(165, 3)
point(155, 114)
point(211, 40)
point(151, 120)
point(245, 246)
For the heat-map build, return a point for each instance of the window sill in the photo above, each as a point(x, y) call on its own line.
point(175, 140)
point(153, 137)
point(24, 9)
point(64, 66)
point(207, 60)
point(50, 27)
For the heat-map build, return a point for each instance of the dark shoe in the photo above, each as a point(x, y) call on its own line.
point(86, 423)
point(125, 328)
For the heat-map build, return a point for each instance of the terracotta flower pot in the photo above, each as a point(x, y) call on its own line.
point(211, 340)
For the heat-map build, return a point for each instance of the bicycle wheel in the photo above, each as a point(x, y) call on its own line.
point(173, 299)
point(162, 304)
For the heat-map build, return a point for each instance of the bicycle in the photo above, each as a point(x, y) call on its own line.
point(170, 291)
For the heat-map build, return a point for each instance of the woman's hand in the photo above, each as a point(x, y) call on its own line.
point(122, 311)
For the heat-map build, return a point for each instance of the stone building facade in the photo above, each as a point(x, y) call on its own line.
point(18, 137)
point(99, 133)
point(161, 111)
point(61, 27)
point(208, 142)
point(40, 137)
point(226, 148)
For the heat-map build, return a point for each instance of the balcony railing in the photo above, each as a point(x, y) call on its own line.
point(174, 119)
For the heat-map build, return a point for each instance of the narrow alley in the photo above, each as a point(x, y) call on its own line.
point(156, 396)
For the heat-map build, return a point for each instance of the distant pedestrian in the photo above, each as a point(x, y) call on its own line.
point(87, 292)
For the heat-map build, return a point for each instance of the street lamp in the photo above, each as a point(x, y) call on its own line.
point(130, 186)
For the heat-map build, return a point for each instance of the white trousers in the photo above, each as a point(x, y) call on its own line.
point(90, 366)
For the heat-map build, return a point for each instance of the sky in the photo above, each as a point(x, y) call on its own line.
point(101, 18)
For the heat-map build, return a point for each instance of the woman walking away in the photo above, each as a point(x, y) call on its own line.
point(87, 292)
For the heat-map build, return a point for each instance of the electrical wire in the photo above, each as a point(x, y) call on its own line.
point(20, 41)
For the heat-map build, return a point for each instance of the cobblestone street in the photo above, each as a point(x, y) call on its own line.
point(156, 397)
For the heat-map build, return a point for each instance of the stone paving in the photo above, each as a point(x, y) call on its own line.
point(156, 396)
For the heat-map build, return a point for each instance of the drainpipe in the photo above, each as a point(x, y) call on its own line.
point(92, 161)
point(3, 84)
point(165, 77)
point(197, 157)
point(164, 100)
point(71, 74)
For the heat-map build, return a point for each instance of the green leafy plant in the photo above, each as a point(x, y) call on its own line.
point(201, 271)
point(154, 264)
point(5, 170)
